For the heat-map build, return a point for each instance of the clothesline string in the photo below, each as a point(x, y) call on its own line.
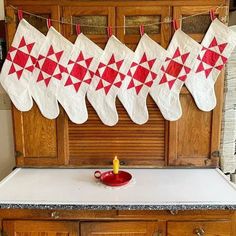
point(128, 26)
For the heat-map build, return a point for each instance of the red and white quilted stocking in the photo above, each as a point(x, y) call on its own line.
point(217, 46)
point(146, 64)
point(19, 65)
point(75, 83)
point(51, 63)
point(113, 66)
point(181, 55)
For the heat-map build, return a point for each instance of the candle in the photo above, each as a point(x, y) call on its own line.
point(116, 165)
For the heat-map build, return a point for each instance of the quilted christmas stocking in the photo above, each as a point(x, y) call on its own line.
point(20, 63)
point(181, 55)
point(51, 63)
point(113, 66)
point(147, 60)
point(217, 46)
point(81, 67)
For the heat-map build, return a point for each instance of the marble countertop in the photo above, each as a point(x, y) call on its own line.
point(150, 189)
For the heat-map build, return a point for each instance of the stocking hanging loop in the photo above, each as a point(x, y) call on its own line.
point(175, 25)
point(109, 31)
point(20, 15)
point(141, 30)
point(78, 29)
point(49, 23)
point(212, 14)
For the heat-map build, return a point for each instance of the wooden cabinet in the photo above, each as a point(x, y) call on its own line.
point(33, 228)
point(119, 228)
point(117, 223)
point(200, 228)
point(193, 140)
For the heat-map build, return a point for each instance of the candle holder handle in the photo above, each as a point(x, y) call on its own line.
point(97, 174)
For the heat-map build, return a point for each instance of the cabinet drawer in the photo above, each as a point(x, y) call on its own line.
point(199, 228)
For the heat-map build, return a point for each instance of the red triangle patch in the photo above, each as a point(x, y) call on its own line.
point(8, 57)
point(30, 68)
point(224, 59)
point(46, 81)
point(149, 84)
point(213, 43)
point(11, 49)
point(33, 59)
point(62, 68)
point(171, 83)
point(68, 82)
point(207, 72)
point(163, 79)
point(77, 86)
point(177, 53)
point(219, 67)
point(151, 62)
point(40, 77)
point(70, 62)
point(80, 57)
point(129, 73)
point(200, 67)
point(101, 65)
point(118, 84)
point(107, 88)
point(88, 81)
point(134, 64)
point(112, 60)
point(184, 57)
point(22, 43)
point(143, 59)
point(58, 55)
point(122, 76)
point(199, 58)
point(40, 57)
point(131, 84)
point(183, 78)
point(58, 76)
point(100, 85)
point(167, 59)
point(138, 88)
point(162, 68)
point(222, 47)
point(88, 61)
point(118, 64)
point(29, 47)
point(12, 69)
point(91, 73)
point(154, 75)
point(50, 51)
point(187, 70)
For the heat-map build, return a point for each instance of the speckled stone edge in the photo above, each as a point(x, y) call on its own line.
point(118, 207)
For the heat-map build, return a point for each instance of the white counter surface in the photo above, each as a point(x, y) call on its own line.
point(156, 189)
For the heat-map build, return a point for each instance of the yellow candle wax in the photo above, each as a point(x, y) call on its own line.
point(116, 165)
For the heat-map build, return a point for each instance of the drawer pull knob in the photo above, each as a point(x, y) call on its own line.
point(55, 215)
point(174, 212)
point(199, 231)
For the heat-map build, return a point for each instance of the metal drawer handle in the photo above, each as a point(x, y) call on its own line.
point(55, 215)
point(199, 231)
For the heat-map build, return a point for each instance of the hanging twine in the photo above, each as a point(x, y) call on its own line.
point(120, 26)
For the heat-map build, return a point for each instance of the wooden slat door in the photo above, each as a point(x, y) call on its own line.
point(194, 140)
point(120, 229)
point(38, 141)
point(36, 228)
